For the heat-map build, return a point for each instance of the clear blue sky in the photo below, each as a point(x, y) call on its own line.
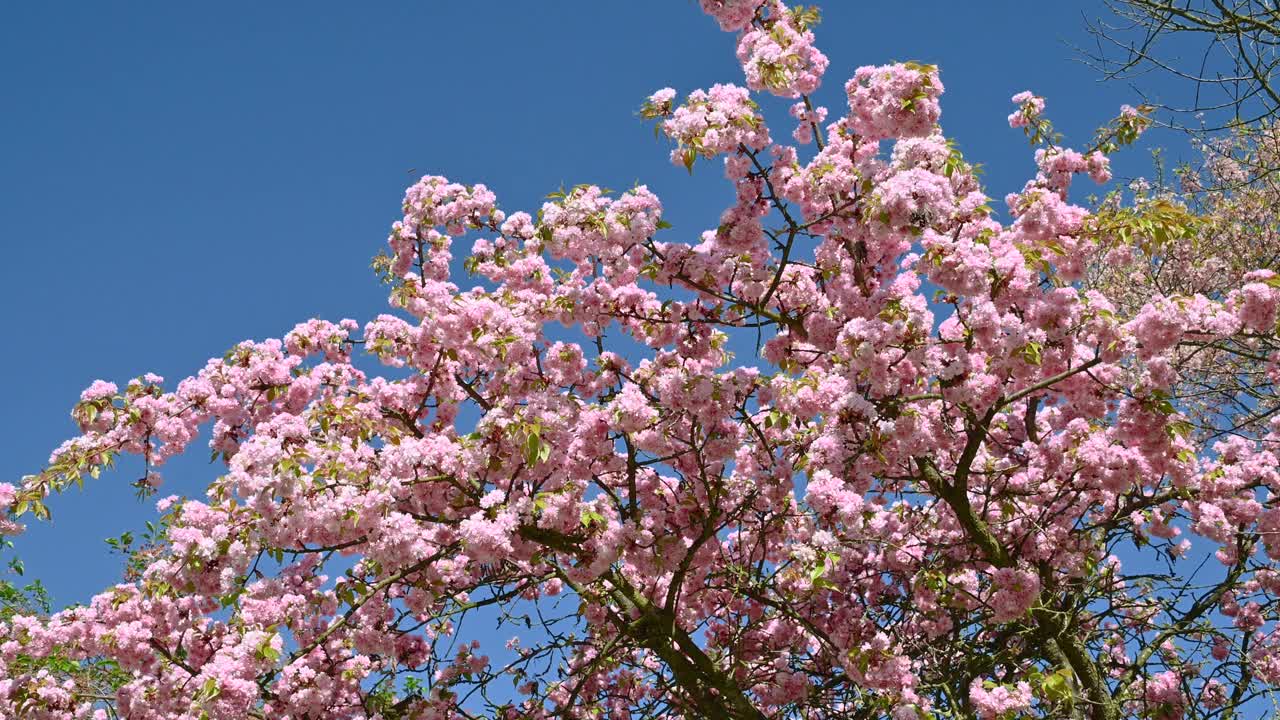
point(177, 177)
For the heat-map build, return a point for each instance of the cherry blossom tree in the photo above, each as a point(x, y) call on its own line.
point(95, 679)
point(1215, 222)
point(959, 480)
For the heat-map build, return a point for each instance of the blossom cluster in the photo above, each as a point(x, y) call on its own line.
point(780, 55)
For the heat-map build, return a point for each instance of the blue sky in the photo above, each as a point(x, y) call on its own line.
point(177, 178)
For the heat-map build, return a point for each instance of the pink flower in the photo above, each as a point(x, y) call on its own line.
point(994, 701)
point(1031, 107)
point(715, 122)
point(781, 57)
point(894, 101)
point(98, 389)
point(1014, 592)
point(733, 15)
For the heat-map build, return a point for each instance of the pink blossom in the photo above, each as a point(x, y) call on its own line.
point(993, 701)
point(894, 101)
point(733, 15)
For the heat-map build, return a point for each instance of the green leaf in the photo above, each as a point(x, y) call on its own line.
point(208, 691)
point(1057, 687)
point(267, 652)
point(825, 584)
point(1031, 353)
point(532, 448)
